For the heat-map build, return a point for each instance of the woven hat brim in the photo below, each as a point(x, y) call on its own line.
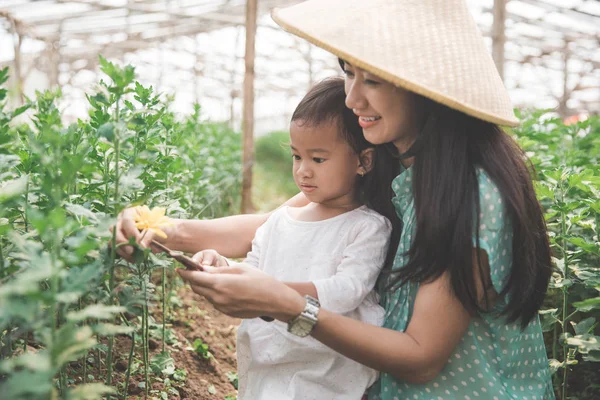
point(394, 79)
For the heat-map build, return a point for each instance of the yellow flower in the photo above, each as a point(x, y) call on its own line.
point(152, 220)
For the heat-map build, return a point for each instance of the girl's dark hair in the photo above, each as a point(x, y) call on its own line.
point(446, 195)
point(326, 102)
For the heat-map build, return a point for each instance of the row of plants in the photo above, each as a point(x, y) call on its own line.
point(566, 160)
point(65, 296)
point(64, 293)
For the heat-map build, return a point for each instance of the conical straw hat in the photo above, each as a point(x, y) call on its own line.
point(430, 47)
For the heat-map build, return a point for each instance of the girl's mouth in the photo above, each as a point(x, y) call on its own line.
point(367, 122)
point(307, 188)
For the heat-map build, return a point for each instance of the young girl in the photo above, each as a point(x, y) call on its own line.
point(473, 261)
point(332, 250)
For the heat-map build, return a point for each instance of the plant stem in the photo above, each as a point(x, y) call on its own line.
point(146, 336)
point(130, 360)
point(54, 282)
point(86, 353)
point(164, 306)
point(26, 218)
point(2, 267)
point(563, 228)
point(113, 256)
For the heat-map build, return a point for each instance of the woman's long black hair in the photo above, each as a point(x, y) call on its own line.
point(446, 195)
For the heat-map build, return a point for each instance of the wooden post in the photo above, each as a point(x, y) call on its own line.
point(498, 35)
point(54, 58)
point(563, 109)
point(234, 92)
point(248, 113)
point(18, 76)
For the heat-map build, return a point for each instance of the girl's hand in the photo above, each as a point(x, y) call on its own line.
point(211, 258)
point(245, 292)
point(126, 229)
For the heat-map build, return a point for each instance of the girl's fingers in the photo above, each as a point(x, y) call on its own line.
point(209, 257)
point(145, 239)
point(124, 229)
point(198, 257)
point(222, 262)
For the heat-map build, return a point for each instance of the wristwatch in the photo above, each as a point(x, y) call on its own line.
point(303, 324)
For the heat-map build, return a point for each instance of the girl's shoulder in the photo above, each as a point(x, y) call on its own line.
point(370, 217)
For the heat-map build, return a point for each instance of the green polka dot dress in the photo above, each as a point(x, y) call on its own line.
point(494, 360)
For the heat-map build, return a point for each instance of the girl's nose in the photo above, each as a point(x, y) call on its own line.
point(304, 170)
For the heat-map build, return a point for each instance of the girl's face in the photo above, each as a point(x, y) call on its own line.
point(325, 167)
point(386, 113)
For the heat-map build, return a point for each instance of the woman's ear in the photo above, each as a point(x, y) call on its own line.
point(365, 159)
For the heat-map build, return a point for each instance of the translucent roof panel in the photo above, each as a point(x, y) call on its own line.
point(194, 49)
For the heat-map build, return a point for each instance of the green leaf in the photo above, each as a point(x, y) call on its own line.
point(95, 311)
point(21, 110)
point(585, 343)
point(557, 283)
point(29, 279)
point(68, 297)
point(162, 363)
point(13, 188)
point(72, 343)
point(3, 75)
point(592, 355)
point(81, 211)
point(543, 191)
point(212, 390)
point(588, 304)
point(554, 365)
point(90, 391)
point(584, 244)
point(180, 375)
point(35, 362)
point(233, 378)
point(584, 326)
point(105, 329)
point(107, 131)
point(26, 384)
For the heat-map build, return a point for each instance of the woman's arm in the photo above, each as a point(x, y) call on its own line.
point(438, 323)
point(230, 236)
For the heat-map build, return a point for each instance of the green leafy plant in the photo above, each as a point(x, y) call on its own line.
point(567, 165)
point(201, 349)
point(64, 295)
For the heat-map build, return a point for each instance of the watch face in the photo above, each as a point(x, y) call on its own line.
point(302, 327)
point(305, 326)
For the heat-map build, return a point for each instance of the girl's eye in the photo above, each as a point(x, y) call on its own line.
point(371, 82)
point(348, 73)
point(318, 160)
point(296, 157)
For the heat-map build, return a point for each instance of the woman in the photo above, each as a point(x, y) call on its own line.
point(472, 263)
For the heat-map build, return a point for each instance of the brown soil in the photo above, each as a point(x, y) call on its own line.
point(206, 378)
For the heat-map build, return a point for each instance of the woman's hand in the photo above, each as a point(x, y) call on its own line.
point(210, 258)
point(245, 292)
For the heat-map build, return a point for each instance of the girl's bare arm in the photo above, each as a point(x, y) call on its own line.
point(230, 236)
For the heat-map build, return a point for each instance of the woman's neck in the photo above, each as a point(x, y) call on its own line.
point(403, 146)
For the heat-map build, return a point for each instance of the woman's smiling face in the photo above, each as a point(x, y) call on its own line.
point(386, 113)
